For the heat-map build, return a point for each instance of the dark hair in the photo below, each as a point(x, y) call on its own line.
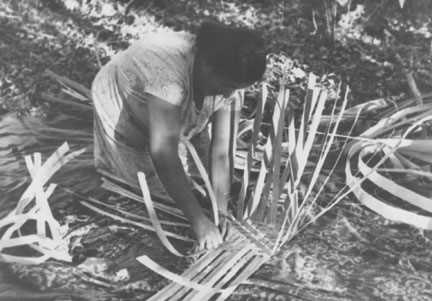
point(236, 54)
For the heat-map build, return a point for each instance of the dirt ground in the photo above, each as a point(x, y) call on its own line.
point(350, 254)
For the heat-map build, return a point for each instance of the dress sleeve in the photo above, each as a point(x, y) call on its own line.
point(171, 93)
point(135, 86)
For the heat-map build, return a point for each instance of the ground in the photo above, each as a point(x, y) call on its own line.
point(350, 254)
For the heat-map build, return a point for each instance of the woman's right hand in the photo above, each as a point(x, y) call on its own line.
point(207, 233)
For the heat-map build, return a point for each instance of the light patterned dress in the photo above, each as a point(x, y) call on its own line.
point(160, 64)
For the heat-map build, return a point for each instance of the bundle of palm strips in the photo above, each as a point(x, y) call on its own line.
point(46, 238)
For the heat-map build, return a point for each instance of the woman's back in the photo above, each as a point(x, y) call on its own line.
point(160, 64)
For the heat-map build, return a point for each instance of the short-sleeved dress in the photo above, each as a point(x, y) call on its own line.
point(160, 64)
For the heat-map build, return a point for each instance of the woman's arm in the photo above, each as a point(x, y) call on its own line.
point(164, 128)
point(224, 132)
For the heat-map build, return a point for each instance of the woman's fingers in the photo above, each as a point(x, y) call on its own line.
point(209, 236)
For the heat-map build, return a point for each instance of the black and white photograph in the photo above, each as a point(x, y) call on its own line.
point(200, 150)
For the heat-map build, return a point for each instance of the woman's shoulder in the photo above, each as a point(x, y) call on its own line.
point(161, 63)
point(164, 38)
point(162, 48)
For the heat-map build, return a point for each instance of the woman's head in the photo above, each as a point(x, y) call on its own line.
point(229, 58)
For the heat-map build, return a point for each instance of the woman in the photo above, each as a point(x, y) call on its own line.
point(167, 86)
